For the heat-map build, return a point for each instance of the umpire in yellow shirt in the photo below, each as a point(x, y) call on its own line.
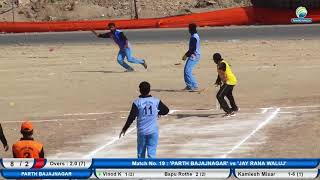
point(228, 80)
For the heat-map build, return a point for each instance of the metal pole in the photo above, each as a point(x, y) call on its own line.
point(136, 16)
point(12, 2)
point(132, 9)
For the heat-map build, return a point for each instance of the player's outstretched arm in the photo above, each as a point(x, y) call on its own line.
point(95, 33)
point(103, 35)
point(218, 81)
point(132, 116)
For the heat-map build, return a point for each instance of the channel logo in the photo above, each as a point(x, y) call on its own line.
point(301, 13)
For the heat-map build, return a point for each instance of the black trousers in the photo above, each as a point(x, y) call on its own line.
point(226, 91)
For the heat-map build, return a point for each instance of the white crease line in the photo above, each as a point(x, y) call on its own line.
point(189, 110)
point(264, 110)
point(289, 107)
point(49, 120)
point(247, 113)
point(114, 140)
point(172, 111)
point(272, 107)
point(82, 114)
point(288, 112)
point(242, 113)
point(192, 110)
point(186, 110)
point(265, 122)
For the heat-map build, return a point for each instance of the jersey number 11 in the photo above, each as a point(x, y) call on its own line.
point(146, 110)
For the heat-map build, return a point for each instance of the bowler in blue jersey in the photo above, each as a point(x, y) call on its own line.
point(125, 49)
point(146, 109)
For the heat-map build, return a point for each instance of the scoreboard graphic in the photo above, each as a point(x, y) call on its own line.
point(160, 168)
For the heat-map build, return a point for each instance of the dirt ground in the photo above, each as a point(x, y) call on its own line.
point(78, 98)
point(57, 10)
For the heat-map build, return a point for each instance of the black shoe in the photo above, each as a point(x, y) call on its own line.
point(129, 70)
point(231, 114)
point(145, 64)
point(236, 110)
point(187, 88)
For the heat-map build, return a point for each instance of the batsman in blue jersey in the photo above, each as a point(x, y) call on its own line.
point(125, 50)
point(146, 109)
point(193, 57)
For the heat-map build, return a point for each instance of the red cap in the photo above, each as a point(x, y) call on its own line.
point(26, 126)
